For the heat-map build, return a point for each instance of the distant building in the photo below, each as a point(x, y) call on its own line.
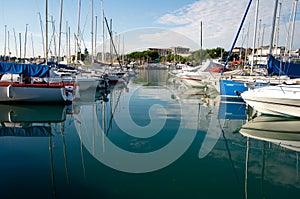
point(261, 54)
point(162, 51)
point(172, 50)
point(181, 50)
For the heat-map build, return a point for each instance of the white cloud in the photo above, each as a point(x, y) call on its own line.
point(145, 38)
point(221, 20)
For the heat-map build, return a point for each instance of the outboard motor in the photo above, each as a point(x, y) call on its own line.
point(69, 94)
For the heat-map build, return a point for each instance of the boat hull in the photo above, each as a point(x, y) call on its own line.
point(230, 90)
point(40, 93)
point(283, 100)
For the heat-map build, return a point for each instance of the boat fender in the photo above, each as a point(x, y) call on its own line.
point(69, 93)
point(10, 91)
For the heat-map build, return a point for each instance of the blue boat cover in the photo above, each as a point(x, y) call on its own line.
point(34, 131)
point(56, 65)
point(276, 67)
point(33, 70)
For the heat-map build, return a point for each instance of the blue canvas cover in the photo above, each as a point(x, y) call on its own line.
point(276, 67)
point(33, 131)
point(33, 70)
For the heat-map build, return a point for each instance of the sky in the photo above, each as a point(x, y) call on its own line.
point(141, 24)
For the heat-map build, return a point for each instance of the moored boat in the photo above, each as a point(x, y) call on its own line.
point(33, 85)
point(281, 100)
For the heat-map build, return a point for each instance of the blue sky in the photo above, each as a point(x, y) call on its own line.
point(144, 24)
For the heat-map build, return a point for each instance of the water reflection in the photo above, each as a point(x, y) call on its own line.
point(149, 127)
point(274, 159)
point(284, 132)
point(32, 126)
point(179, 141)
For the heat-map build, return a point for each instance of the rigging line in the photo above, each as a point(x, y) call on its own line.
point(237, 35)
point(112, 41)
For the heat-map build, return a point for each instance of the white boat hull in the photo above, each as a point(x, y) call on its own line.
point(282, 100)
point(33, 93)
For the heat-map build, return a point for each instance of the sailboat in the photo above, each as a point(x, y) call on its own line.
point(33, 85)
point(277, 73)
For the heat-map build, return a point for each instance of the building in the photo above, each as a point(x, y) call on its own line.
point(162, 51)
point(172, 50)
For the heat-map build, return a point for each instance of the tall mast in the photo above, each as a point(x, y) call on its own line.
point(5, 41)
point(53, 35)
point(43, 42)
point(60, 27)
point(200, 42)
point(95, 43)
point(67, 41)
point(103, 32)
point(92, 32)
point(25, 44)
point(16, 44)
point(273, 26)
point(32, 46)
point(276, 36)
point(254, 34)
point(20, 40)
point(293, 26)
point(78, 30)
point(8, 48)
point(46, 31)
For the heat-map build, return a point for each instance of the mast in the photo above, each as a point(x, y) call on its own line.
point(103, 32)
point(32, 46)
point(43, 42)
point(237, 35)
point(112, 42)
point(67, 42)
point(123, 50)
point(293, 27)
point(5, 26)
point(273, 26)
point(200, 42)
point(92, 32)
point(95, 43)
point(78, 30)
point(60, 27)
point(46, 31)
point(25, 44)
point(53, 35)
point(8, 48)
point(20, 40)
point(16, 45)
point(277, 29)
point(254, 35)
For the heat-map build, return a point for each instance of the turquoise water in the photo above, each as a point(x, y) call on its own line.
point(151, 138)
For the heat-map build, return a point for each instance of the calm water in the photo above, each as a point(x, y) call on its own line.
point(152, 138)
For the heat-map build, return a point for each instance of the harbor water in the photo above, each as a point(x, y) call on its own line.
point(152, 137)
